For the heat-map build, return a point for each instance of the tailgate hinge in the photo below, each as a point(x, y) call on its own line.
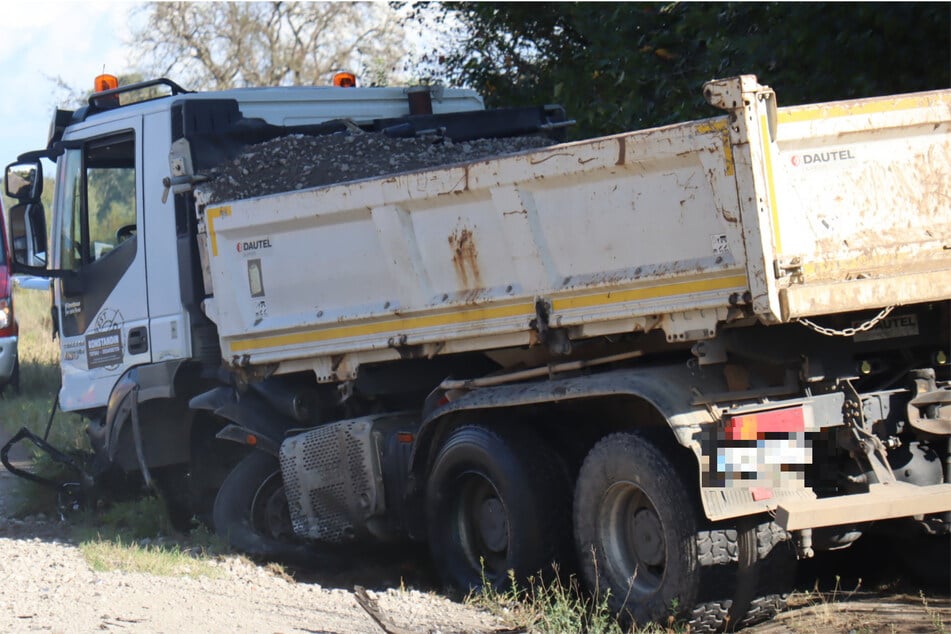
point(788, 266)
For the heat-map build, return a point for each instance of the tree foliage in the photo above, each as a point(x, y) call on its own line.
point(621, 66)
point(218, 45)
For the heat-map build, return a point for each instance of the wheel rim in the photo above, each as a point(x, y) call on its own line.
point(270, 515)
point(482, 525)
point(632, 537)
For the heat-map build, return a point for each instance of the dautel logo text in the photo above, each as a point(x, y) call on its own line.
point(254, 245)
point(821, 157)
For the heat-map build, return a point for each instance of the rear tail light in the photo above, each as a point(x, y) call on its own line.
point(761, 451)
point(756, 426)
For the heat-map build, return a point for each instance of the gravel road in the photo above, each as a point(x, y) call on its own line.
point(46, 585)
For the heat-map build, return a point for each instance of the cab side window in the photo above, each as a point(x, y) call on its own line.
point(100, 188)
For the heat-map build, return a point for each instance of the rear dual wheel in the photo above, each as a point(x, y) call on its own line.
point(766, 574)
point(498, 504)
point(643, 544)
point(635, 530)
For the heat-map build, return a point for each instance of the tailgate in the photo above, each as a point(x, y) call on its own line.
point(861, 204)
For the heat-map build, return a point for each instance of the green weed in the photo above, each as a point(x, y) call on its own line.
point(168, 560)
point(936, 620)
point(135, 520)
point(555, 607)
point(565, 607)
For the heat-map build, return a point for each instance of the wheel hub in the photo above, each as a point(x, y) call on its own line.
point(632, 535)
point(270, 514)
point(647, 537)
point(492, 525)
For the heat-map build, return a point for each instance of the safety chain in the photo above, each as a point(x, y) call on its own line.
point(847, 332)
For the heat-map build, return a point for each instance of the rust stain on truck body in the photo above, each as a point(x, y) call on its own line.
point(465, 258)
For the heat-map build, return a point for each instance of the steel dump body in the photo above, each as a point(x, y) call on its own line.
point(839, 207)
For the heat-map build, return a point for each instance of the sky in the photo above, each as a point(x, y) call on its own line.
point(42, 41)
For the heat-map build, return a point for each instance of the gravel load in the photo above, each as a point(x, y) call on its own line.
point(301, 162)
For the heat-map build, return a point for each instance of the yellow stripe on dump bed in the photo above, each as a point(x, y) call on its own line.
point(650, 292)
point(475, 315)
point(398, 325)
point(211, 215)
point(722, 127)
point(770, 183)
point(799, 114)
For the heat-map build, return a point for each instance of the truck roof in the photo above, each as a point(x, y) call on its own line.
point(292, 105)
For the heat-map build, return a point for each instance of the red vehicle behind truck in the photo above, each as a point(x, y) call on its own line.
point(9, 329)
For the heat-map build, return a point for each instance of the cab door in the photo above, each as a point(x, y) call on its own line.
point(102, 300)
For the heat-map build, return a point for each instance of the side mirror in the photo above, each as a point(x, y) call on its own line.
point(24, 181)
point(28, 236)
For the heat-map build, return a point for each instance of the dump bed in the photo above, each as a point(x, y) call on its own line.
point(778, 213)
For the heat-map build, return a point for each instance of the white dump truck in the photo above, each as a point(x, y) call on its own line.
point(671, 360)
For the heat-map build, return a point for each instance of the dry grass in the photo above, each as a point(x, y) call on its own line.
point(858, 611)
point(39, 377)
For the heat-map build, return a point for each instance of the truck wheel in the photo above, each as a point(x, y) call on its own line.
point(636, 531)
point(767, 572)
point(497, 501)
point(173, 485)
point(919, 554)
point(251, 511)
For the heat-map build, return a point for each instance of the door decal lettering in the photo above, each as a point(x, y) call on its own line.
point(104, 349)
point(104, 344)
